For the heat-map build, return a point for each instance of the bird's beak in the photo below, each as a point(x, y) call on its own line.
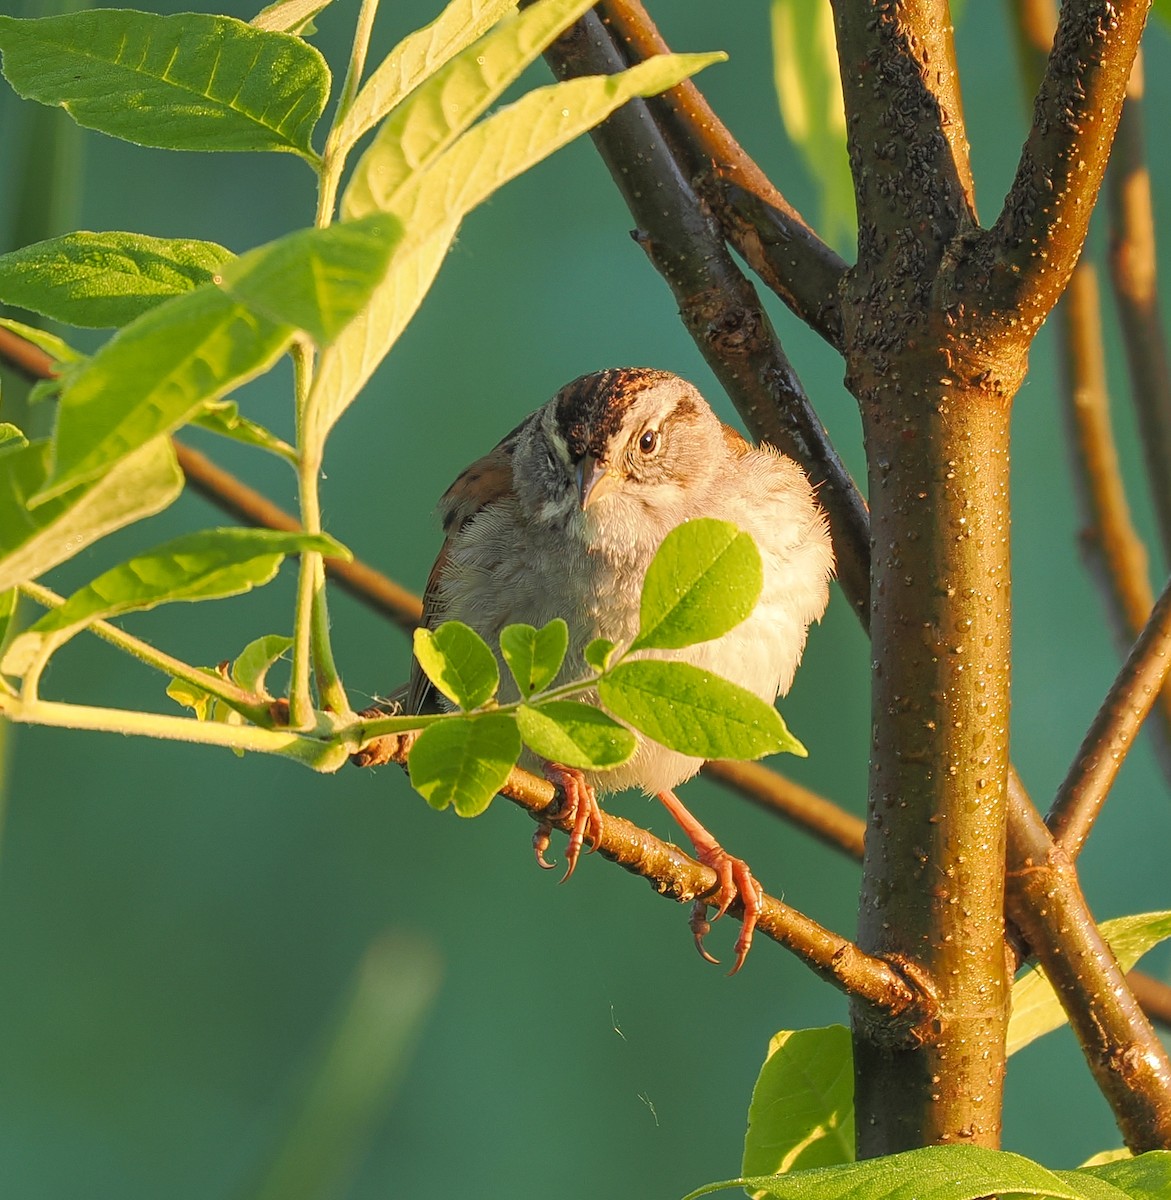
point(594, 480)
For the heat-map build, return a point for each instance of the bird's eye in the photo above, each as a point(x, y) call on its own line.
point(649, 442)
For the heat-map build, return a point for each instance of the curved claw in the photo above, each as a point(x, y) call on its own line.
point(541, 844)
point(581, 807)
point(700, 927)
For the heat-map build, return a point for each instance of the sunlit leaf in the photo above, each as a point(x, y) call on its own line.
point(253, 662)
point(289, 16)
point(598, 652)
point(199, 566)
point(534, 656)
point(694, 711)
point(204, 705)
point(59, 350)
point(1141, 1177)
point(7, 612)
point(192, 81)
point(1035, 1007)
point(417, 57)
point(484, 159)
point(809, 89)
point(315, 279)
point(34, 540)
point(704, 580)
point(11, 436)
point(575, 735)
point(430, 119)
point(458, 662)
point(464, 761)
point(105, 279)
point(802, 1110)
point(932, 1173)
point(153, 376)
point(223, 417)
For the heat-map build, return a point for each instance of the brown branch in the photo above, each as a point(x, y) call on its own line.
point(1113, 731)
point(893, 990)
point(1133, 275)
point(775, 240)
point(719, 306)
point(1026, 259)
point(906, 136)
point(1124, 1054)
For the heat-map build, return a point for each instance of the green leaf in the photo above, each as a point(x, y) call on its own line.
point(598, 652)
point(315, 279)
point(694, 711)
point(417, 57)
point(704, 580)
point(33, 541)
point(1035, 1007)
point(1145, 1177)
point(56, 348)
point(253, 662)
point(105, 279)
point(289, 16)
point(153, 376)
point(575, 735)
point(809, 89)
point(11, 437)
point(933, 1173)
point(199, 566)
point(464, 761)
point(534, 656)
point(1106, 1156)
point(802, 1110)
point(205, 706)
point(188, 82)
point(432, 205)
point(223, 417)
point(430, 119)
point(459, 663)
point(7, 612)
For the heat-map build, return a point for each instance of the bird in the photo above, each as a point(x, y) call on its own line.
point(561, 519)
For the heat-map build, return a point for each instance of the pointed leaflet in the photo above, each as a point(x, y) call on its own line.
point(430, 119)
point(289, 16)
point(432, 205)
point(253, 662)
point(157, 372)
point(458, 662)
point(704, 580)
point(598, 652)
point(464, 761)
point(186, 82)
point(198, 566)
point(575, 735)
point(933, 1173)
point(534, 656)
point(802, 1110)
point(1035, 1007)
point(416, 58)
point(223, 417)
point(105, 279)
point(56, 348)
point(694, 711)
point(34, 540)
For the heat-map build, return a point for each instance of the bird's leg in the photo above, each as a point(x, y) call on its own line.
point(733, 878)
point(581, 807)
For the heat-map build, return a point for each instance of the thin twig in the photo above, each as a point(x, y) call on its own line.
point(1133, 260)
point(764, 227)
point(1110, 737)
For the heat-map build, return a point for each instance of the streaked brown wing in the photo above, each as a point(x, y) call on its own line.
point(487, 480)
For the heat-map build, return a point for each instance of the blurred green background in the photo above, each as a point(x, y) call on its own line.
point(180, 929)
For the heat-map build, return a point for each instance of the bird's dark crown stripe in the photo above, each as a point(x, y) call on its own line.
point(590, 410)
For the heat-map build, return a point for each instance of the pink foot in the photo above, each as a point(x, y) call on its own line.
point(581, 807)
point(733, 879)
